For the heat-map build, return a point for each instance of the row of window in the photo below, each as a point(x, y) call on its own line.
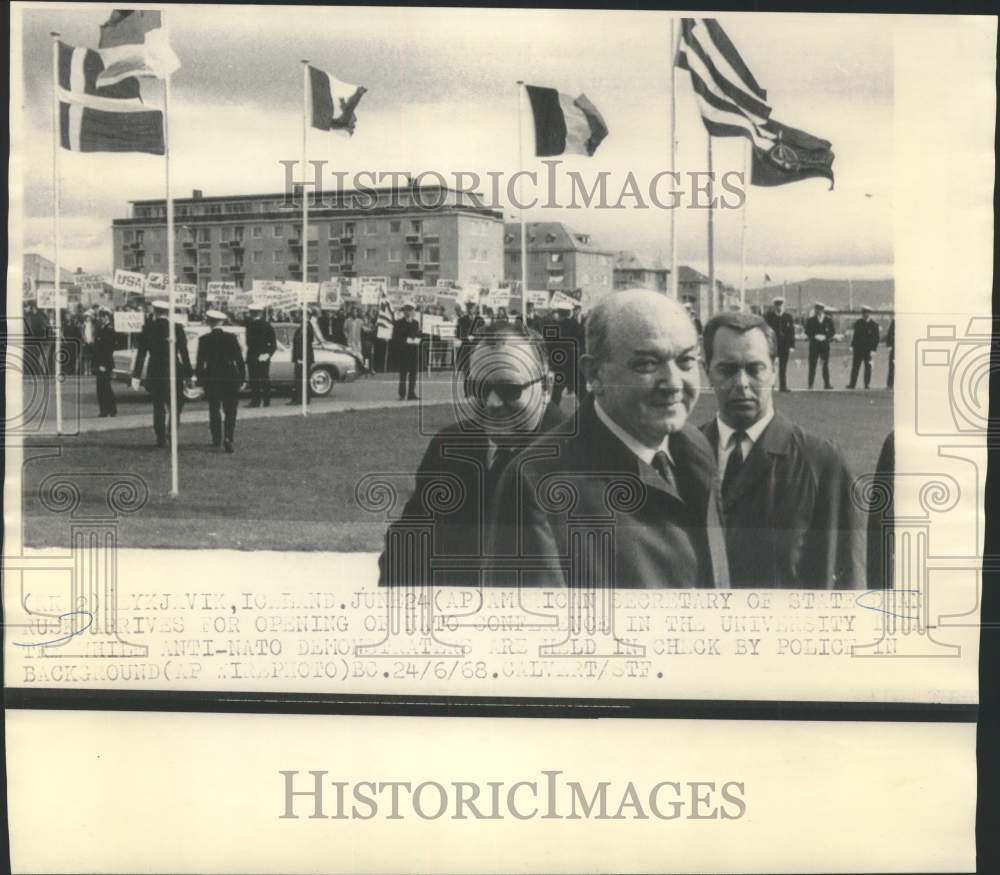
point(235, 208)
point(229, 232)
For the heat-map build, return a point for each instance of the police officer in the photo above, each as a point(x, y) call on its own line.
point(104, 362)
point(221, 372)
point(261, 344)
point(154, 343)
point(783, 327)
point(406, 339)
point(820, 331)
point(863, 346)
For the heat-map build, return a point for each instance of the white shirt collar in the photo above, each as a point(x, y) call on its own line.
point(641, 450)
point(754, 432)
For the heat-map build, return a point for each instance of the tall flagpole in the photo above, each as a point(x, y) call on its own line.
point(673, 154)
point(711, 234)
point(305, 347)
point(520, 194)
point(743, 229)
point(56, 285)
point(171, 301)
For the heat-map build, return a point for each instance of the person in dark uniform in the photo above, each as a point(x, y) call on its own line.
point(154, 343)
point(297, 356)
point(783, 327)
point(819, 330)
point(104, 363)
point(863, 346)
point(221, 371)
point(406, 340)
point(261, 344)
point(890, 343)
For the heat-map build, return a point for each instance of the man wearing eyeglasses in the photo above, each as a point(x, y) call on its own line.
point(635, 472)
point(503, 404)
point(789, 516)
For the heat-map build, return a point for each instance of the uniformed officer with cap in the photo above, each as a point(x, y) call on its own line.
point(154, 343)
point(820, 331)
point(261, 345)
point(406, 339)
point(864, 342)
point(104, 362)
point(221, 371)
point(783, 326)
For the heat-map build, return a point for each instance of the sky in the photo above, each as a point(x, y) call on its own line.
point(442, 97)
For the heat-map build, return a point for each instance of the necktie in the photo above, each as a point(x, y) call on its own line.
point(735, 461)
point(501, 458)
point(661, 462)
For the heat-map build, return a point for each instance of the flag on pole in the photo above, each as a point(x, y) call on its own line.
point(564, 124)
point(794, 155)
point(95, 118)
point(333, 102)
point(135, 43)
point(386, 317)
point(733, 104)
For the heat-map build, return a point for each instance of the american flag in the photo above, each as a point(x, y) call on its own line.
point(386, 317)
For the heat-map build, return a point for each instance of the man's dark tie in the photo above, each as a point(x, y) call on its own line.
point(661, 462)
point(501, 458)
point(735, 461)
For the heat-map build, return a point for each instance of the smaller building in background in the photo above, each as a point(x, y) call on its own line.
point(560, 259)
point(38, 276)
point(634, 270)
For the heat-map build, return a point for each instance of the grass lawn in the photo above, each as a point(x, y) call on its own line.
point(291, 483)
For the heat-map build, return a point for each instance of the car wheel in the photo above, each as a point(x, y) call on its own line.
point(320, 382)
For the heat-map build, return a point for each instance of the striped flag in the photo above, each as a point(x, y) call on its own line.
point(733, 104)
point(386, 317)
point(564, 124)
point(95, 118)
point(333, 102)
point(135, 43)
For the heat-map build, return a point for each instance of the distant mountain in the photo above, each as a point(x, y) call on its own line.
point(879, 294)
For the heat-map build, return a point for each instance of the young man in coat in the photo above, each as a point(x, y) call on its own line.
point(406, 340)
point(635, 487)
point(154, 345)
point(221, 371)
point(786, 494)
point(103, 360)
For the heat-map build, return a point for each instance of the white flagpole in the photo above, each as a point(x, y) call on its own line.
point(56, 285)
point(171, 301)
point(673, 154)
point(743, 229)
point(520, 194)
point(305, 350)
point(711, 234)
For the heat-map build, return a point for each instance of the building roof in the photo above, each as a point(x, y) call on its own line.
point(628, 259)
point(687, 274)
point(550, 237)
point(42, 269)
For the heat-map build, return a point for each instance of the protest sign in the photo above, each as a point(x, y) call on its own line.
point(129, 281)
point(129, 321)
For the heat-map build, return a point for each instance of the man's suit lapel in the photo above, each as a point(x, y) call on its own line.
point(757, 467)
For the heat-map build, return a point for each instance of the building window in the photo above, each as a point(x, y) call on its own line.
point(371, 254)
point(204, 235)
point(278, 230)
point(395, 227)
point(415, 226)
point(334, 230)
point(371, 227)
point(156, 258)
point(128, 236)
point(278, 256)
point(434, 254)
point(257, 231)
point(313, 257)
point(255, 256)
point(227, 233)
point(393, 254)
point(556, 258)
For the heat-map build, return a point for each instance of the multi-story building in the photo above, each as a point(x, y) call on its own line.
point(634, 270)
point(559, 259)
point(419, 233)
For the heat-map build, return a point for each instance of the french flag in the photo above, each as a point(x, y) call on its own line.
point(564, 124)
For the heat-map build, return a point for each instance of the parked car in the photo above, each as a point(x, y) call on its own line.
point(332, 362)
